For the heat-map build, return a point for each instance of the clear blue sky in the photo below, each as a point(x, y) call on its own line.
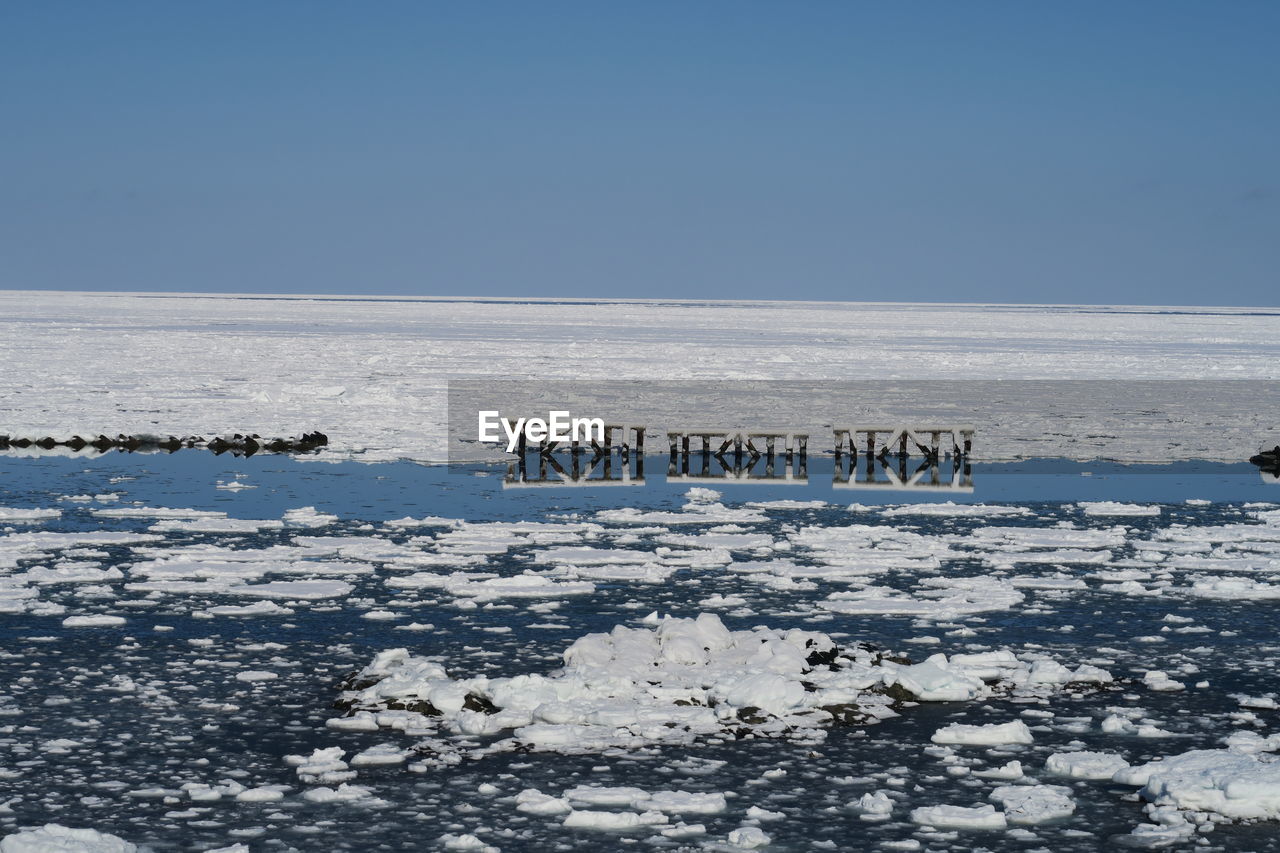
point(1112, 152)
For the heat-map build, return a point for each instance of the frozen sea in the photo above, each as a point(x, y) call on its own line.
point(199, 651)
point(374, 373)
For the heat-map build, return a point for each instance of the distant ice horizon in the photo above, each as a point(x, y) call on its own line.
point(374, 374)
point(591, 300)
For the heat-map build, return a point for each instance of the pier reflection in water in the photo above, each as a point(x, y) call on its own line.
point(708, 467)
point(575, 468)
point(950, 474)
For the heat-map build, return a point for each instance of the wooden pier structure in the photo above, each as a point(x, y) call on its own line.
point(567, 463)
point(928, 476)
point(624, 437)
point(737, 452)
point(758, 442)
point(879, 441)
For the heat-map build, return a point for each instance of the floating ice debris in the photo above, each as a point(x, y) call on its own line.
point(669, 802)
point(875, 805)
point(711, 539)
point(465, 841)
point(1159, 680)
point(694, 512)
point(324, 766)
point(519, 586)
point(685, 678)
point(589, 819)
point(69, 572)
point(1032, 804)
point(633, 573)
point(1028, 538)
point(380, 755)
point(54, 838)
point(1237, 785)
point(1116, 508)
point(359, 795)
point(748, 837)
point(263, 794)
point(215, 525)
point(592, 556)
point(308, 516)
point(533, 801)
point(252, 675)
point(937, 598)
point(954, 510)
point(787, 504)
point(93, 621)
point(311, 590)
point(11, 515)
point(1232, 588)
point(260, 608)
point(1085, 764)
point(675, 682)
point(959, 817)
point(159, 513)
point(991, 734)
point(1007, 771)
point(1054, 581)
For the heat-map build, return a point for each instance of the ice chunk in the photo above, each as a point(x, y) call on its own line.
point(55, 838)
point(991, 734)
point(959, 817)
point(1085, 765)
point(1230, 783)
point(1032, 804)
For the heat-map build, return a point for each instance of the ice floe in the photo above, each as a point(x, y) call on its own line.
point(1229, 782)
point(55, 838)
point(679, 680)
point(1033, 804)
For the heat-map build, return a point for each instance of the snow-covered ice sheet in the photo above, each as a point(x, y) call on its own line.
point(379, 390)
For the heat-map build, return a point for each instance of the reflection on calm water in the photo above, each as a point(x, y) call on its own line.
point(574, 468)
point(708, 467)
point(951, 474)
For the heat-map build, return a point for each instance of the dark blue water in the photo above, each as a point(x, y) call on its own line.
point(186, 719)
point(394, 490)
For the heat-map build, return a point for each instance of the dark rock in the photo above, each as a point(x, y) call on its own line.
point(847, 714)
point(421, 706)
point(826, 658)
point(475, 702)
point(239, 444)
point(1267, 458)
